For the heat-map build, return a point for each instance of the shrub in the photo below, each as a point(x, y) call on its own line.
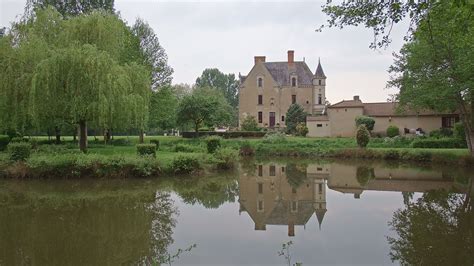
point(391, 155)
point(185, 164)
point(19, 151)
point(249, 124)
point(294, 115)
point(442, 143)
point(226, 158)
point(229, 134)
point(274, 137)
point(120, 142)
point(181, 147)
point(4, 140)
point(301, 129)
point(246, 149)
point(362, 136)
point(369, 122)
point(146, 149)
point(213, 143)
point(19, 139)
point(156, 142)
point(446, 132)
point(392, 131)
point(435, 134)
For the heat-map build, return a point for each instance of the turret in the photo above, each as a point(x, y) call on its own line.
point(319, 90)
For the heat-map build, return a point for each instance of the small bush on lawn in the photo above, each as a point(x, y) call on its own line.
point(146, 150)
point(250, 124)
point(362, 136)
point(392, 131)
point(181, 147)
point(301, 129)
point(185, 164)
point(4, 140)
point(213, 143)
point(442, 143)
point(156, 142)
point(19, 151)
point(274, 137)
point(246, 149)
point(446, 132)
point(226, 158)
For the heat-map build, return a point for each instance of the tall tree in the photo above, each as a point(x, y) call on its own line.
point(154, 54)
point(294, 115)
point(226, 83)
point(70, 7)
point(163, 106)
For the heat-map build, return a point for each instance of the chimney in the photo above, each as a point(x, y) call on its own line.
point(291, 229)
point(259, 59)
point(291, 56)
point(356, 98)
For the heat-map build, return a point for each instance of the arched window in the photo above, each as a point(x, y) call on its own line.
point(260, 82)
point(293, 82)
point(319, 82)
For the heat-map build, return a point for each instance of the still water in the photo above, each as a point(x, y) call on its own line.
point(336, 212)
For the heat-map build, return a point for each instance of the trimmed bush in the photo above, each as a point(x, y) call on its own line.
point(19, 151)
point(185, 164)
point(146, 149)
point(226, 135)
point(362, 136)
point(301, 129)
point(120, 142)
point(246, 149)
point(156, 142)
point(459, 132)
point(181, 147)
point(435, 134)
point(442, 143)
point(392, 131)
point(446, 132)
point(249, 124)
point(4, 140)
point(226, 157)
point(213, 143)
point(369, 122)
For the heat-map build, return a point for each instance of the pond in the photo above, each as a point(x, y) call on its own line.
point(333, 212)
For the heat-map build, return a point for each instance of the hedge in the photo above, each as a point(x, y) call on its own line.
point(226, 135)
point(4, 140)
point(146, 149)
point(19, 151)
point(442, 143)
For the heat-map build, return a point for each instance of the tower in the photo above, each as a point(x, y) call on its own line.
point(319, 90)
point(319, 197)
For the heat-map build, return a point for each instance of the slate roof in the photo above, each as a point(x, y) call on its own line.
point(319, 71)
point(281, 72)
point(281, 213)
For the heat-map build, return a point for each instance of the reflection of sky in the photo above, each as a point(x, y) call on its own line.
point(353, 232)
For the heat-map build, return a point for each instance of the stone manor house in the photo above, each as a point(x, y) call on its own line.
point(270, 88)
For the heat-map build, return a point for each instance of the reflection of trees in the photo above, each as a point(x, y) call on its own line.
point(84, 226)
point(364, 174)
point(296, 174)
point(436, 229)
point(211, 192)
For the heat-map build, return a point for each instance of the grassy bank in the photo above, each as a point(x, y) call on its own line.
point(178, 156)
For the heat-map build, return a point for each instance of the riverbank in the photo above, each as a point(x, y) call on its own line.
point(181, 157)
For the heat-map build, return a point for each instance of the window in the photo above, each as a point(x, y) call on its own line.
point(260, 117)
point(320, 188)
point(260, 170)
point(448, 121)
point(260, 188)
point(307, 102)
point(260, 205)
point(293, 190)
point(272, 170)
point(293, 82)
point(319, 125)
point(293, 99)
point(260, 99)
point(319, 169)
point(260, 82)
point(320, 99)
point(294, 206)
point(282, 169)
point(282, 118)
point(319, 82)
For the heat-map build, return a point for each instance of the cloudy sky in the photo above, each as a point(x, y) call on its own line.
point(228, 34)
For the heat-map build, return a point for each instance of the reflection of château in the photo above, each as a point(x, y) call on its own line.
point(283, 195)
point(277, 194)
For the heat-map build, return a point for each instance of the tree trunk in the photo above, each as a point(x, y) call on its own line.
point(57, 132)
point(107, 136)
point(196, 129)
point(141, 137)
point(83, 136)
point(74, 136)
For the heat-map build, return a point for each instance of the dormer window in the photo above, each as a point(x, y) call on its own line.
point(319, 82)
point(293, 82)
point(260, 82)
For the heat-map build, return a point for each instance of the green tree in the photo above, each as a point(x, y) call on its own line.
point(154, 54)
point(163, 107)
point(204, 107)
point(70, 7)
point(369, 122)
point(294, 115)
point(249, 124)
point(362, 136)
point(226, 83)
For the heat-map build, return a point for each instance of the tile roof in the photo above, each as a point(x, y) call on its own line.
point(391, 109)
point(349, 103)
point(281, 72)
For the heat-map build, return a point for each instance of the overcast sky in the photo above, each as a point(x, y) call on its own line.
point(228, 34)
